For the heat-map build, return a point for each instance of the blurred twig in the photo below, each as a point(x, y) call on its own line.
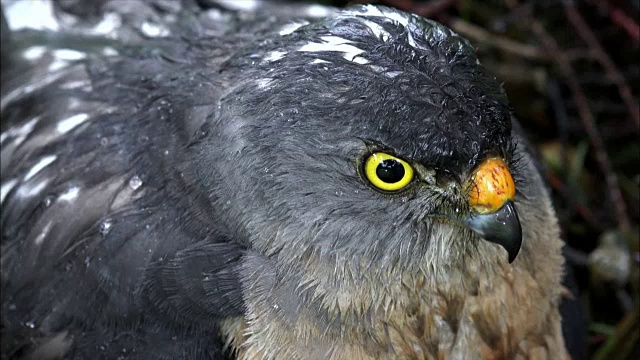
point(619, 18)
point(576, 257)
point(507, 45)
point(588, 122)
point(616, 347)
point(601, 56)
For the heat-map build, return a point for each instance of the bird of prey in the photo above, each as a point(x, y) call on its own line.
point(216, 179)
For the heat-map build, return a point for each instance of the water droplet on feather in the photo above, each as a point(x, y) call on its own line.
point(135, 182)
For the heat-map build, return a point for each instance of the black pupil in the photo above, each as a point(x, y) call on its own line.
point(390, 171)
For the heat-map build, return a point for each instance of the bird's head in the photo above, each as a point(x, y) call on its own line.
point(373, 134)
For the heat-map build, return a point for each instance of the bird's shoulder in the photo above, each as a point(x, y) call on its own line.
point(105, 227)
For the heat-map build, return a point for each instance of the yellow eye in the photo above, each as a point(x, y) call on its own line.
point(387, 172)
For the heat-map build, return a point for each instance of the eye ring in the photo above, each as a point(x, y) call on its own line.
point(387, 172)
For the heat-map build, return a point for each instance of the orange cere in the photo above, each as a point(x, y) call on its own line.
point(491, 185)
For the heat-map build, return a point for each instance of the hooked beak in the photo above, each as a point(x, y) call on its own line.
point(493, 215)
point(501, 227)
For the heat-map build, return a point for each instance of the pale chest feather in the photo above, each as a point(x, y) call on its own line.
point(512, 318)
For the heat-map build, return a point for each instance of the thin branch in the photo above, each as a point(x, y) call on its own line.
point(507, 45)
point(576, 257)
point(588, 122)
point(603, 58)
point(619, 18)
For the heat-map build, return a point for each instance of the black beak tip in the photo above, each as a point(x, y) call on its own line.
point(501, 227)
point(513, 252)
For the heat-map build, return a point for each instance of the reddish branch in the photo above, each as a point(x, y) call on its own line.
point(625, 22)
point(619, 18)
point(588, 123)
point(601, 56)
